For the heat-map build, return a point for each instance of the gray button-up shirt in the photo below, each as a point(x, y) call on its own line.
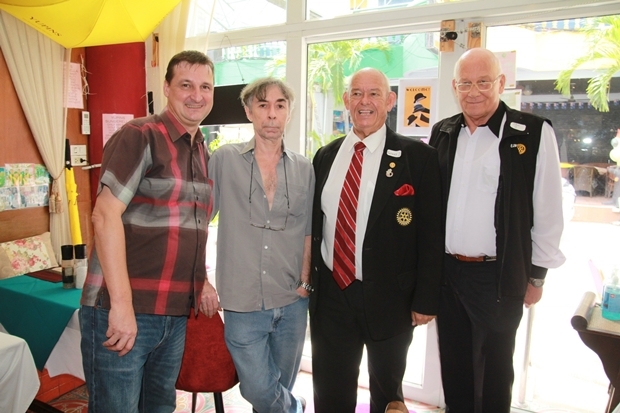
point(259, 259)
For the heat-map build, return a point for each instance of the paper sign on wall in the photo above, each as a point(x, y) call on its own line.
point(113, 122)
point(73, 89)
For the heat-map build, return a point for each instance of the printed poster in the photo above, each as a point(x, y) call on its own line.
point(416, 110)
point(113, 122)
point(34, 196)
point(508, 62)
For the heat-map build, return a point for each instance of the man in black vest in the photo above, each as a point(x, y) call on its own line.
point(503, 205)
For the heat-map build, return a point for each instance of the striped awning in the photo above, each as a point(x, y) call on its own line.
point(566, 24)
point(562, 105)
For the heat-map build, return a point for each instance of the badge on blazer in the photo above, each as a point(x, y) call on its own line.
point(404, 216)
point(520, 147)
point(389, 173)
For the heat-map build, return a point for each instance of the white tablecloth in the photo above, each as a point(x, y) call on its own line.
point(66, 357)
point(19, 381)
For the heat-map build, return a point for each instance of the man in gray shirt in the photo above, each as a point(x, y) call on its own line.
point(263, 193)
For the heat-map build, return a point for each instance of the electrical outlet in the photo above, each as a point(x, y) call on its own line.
point(79, 160)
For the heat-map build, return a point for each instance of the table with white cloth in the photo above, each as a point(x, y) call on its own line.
point(19, 380)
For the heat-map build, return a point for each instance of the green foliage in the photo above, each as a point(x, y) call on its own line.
point(215, 143)
point(328, 63)
point(319, 140)
point(219, 140)
point(603, 44)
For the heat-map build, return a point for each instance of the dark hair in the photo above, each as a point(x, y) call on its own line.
point(193, 57)
point(259, 87)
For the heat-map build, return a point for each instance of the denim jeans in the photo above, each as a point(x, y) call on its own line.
point(144, 379)
point(266, 348)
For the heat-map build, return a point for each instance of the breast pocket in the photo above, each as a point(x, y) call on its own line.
point(489, 175)
point(298, 200)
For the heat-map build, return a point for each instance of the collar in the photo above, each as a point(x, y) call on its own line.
point(495, 121)
point(176, 130)
point(373, 141)
point(251, 144)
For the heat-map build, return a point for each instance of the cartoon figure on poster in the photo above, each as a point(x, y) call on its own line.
point(415, 110)
point(420, 115)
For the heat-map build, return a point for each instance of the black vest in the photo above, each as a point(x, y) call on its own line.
point(514, 213)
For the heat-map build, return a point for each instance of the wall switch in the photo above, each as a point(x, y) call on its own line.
point(78, 150)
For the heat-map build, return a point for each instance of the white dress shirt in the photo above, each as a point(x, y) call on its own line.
point(330, 197)
point(470, 226)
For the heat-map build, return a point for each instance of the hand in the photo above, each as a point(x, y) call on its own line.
point(302, 292)
point(532, 295)
point(418, 319)
point(122, 329)
point(209, 301)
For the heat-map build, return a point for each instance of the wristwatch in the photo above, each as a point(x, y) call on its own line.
point(537, 282)
point(305, 286)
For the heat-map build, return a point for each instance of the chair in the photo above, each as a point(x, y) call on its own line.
point(583, 178)
point(207, 366)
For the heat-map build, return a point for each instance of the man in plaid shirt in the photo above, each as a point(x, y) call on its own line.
point(147, 266)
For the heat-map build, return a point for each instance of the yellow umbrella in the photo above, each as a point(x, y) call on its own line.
point(81, 23)
point(74, 216)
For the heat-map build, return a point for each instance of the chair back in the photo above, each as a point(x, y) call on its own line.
point(207, 366)
point(583, 178)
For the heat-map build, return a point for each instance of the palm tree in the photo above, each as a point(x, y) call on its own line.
point(603, 41)
point(329, 62)
point(328, 65)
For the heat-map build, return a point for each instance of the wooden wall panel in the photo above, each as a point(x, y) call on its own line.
point(17, 145)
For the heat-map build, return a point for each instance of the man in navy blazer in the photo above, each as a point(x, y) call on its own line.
point(399, 246)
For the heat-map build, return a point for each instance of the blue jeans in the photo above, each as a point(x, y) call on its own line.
point(144, 379)
point(266, 348)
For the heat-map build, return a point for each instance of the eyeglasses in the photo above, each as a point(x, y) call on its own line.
point(288, 205)
point(482, 85)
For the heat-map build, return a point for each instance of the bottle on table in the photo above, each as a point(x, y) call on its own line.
point(68, 275)
point(611, 297)
point(81, 265)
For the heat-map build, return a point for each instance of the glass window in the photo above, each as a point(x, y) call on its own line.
point(330, 64)
point(243, 64)
point(233, 15)
point(584, 133)
point(554, 369)
point(328, 9)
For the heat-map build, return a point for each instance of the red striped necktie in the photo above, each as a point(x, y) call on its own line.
point(344, 240)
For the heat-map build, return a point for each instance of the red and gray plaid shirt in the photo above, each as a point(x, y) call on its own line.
point(151, 166)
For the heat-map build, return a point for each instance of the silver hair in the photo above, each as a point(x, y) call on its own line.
point(258, 89)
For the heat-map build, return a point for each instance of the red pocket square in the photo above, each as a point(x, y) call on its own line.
point(405, 190)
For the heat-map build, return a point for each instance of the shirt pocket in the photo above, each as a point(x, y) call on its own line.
point(298, 200)
point(488, 177)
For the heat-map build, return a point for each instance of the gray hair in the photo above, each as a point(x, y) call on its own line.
point(258, 89)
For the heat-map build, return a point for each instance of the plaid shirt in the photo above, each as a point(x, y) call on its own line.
point(151, 166)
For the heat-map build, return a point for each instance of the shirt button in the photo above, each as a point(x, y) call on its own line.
point(264, 196)
point(266, 247)
point(264, 272)
point(268, 221)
